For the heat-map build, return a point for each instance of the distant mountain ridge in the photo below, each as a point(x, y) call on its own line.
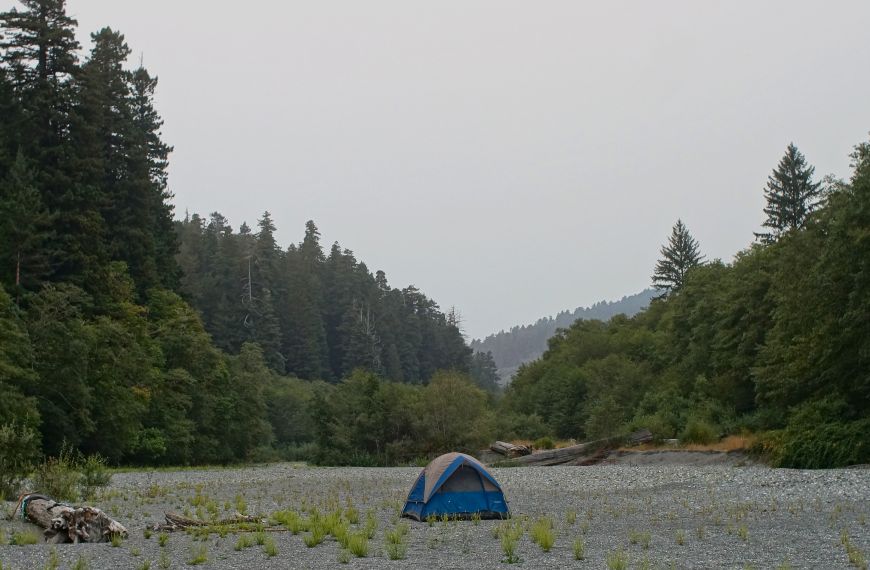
point(525, 343)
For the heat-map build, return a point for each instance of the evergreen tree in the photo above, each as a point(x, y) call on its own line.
point(17, 377)
point(23, 229)
point(38, 54)
point(261, 291)
point(679, 255)
point(484, 371)
point(791, 195)
point(149, 160)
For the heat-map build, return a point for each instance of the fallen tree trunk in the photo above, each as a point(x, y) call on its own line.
point(573, 452)
point(64, 523)
point(509, 449)
point(175, 521)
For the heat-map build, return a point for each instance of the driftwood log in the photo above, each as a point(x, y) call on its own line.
point(577, 454)
point(175, 521)
point(64, 523)
point(509, 449)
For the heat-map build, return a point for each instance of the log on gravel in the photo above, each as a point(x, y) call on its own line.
point(574, 452)
point(509, 449)
point(175, 521)
point(65, 523)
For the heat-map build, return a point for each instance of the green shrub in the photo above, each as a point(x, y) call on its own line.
point(545, 442)
point(19, 452)
point(71, 475)
point(93, 474)
point(57, 477)
point(816, 438)
point(699, 431)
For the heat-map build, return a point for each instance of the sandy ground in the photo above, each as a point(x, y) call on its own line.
point(655, 510)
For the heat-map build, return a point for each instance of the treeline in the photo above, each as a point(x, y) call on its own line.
point(525, 343)
point(153, 341)
point(315, 315)
point(776, 342)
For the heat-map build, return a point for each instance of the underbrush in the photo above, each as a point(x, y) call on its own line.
point(71, 475)
point(19, 451)
point(816, 437)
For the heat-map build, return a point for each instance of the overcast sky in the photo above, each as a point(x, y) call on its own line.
point(510, 158)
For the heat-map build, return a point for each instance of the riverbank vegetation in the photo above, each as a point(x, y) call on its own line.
point(143, 339)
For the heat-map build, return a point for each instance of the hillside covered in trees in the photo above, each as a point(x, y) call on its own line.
point(145, 339)
point(314, 315)
point(525, 343)
point(776, 342)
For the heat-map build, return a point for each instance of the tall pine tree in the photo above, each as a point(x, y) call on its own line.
point(679, 255)
point(791, 195)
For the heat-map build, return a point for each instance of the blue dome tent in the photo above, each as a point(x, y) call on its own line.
point(456, 484)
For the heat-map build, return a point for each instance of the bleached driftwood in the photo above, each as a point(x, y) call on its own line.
point(65, 523)
point(581, 451)
point(175, 521)
point(509, 449)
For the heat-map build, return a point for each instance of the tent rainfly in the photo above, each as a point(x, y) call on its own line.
point(456, 484)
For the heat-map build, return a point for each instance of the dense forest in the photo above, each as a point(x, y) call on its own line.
point(145, 339)
point(775, 343)
point(315, 316)
point(151, 340)
point(525, 343)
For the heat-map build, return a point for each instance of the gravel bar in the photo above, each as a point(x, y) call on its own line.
point(650, 515)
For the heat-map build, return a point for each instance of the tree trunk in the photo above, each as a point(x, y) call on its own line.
point(64, 523)
point(566, 454)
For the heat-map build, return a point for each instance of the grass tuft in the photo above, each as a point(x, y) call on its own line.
point(24, 538)
point(344, 556)
point(245, 541)
point(642, 538)
point(617, 560)
point(198, 555)
point(510, 535)
point(270, 548)
point(543, 533)
point(358, 544)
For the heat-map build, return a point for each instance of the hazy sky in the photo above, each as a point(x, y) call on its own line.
point(510, 158)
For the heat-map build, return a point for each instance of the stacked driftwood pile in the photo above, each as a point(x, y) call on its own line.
point(580, 454)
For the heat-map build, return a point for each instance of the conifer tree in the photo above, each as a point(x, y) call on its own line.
point(791, 195)
point(23, 228)
point(484, 372)
point(261, 287)
point(679, 255)
point(38, 54)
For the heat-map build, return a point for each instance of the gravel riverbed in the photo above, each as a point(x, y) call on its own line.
point(651, 515)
